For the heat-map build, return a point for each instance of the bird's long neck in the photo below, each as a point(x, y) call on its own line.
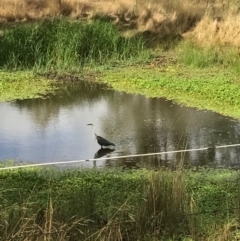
point(94, 133)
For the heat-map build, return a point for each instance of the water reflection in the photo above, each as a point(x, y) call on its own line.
point(102, 152)
point(55, 129)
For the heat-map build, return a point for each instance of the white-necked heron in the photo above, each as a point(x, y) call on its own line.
point(100, 140)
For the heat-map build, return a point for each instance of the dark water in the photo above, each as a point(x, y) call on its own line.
point(55, 129)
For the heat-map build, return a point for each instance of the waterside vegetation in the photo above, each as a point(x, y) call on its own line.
point(213, 88)
point(60, 45)
point(205, 77)
point(212, 22)
point(19, 85)
point(50, 204)
point(183, 50)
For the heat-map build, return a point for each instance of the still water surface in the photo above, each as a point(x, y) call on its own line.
point(55, 129)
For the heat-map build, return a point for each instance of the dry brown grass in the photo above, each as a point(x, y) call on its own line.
point(22, 10)
point(207, 21)
point(225, 232)
point(40, 226)
point(218, 31)
point(219, 25)
point(152, 15)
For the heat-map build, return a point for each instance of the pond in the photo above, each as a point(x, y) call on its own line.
point(55, 129)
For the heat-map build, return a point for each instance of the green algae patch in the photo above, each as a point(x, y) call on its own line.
point(24, 85)
point(212, 88)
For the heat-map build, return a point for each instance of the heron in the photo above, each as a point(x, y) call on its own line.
point(100, 140)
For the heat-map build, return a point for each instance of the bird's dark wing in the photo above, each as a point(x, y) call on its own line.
point(103, 142)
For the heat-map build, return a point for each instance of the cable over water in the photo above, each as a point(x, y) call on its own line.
point(116, 157)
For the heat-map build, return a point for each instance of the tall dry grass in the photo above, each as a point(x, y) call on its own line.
point(219, 31)
point(219, 25)
point(22, 10)
point(166, 17)
point(209, 22)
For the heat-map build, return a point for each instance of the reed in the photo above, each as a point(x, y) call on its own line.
point(63, 45)
point(164, 206)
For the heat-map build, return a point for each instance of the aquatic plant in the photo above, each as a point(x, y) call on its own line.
point(211, 87)
point(24, 85)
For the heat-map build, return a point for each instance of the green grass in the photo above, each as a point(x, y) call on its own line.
point(211, 88)
point(24, 85)
point(194, 55)
point(112, 204)
point(62, 45)
point(206, 78)
point(58, 46)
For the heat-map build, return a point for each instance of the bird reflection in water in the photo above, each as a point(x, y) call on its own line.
point(102, 152)
point(106, 146)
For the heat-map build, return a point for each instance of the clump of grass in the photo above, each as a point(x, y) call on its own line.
point(63, 45)
point(164, 206)
point(197, 56)
point(208, 56)
point(26, 46)
point(115, 205)
point(218, 26)
point(23, 221)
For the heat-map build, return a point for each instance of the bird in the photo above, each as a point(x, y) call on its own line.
point(100, 140)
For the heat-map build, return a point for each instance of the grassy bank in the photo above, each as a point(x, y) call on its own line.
point(58, 46)
point(202, 77)
point(44, 204)
point(24, 85)
point(206, 78)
